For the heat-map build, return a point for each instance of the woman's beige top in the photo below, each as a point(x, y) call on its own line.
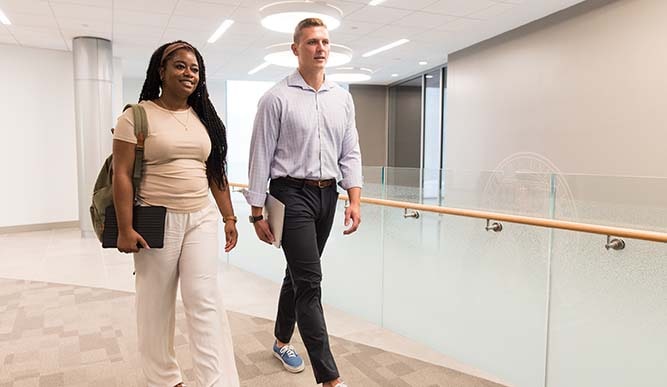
point(175, 154)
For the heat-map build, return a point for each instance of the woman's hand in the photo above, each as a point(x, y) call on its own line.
point(129, 242)
point(231, 235)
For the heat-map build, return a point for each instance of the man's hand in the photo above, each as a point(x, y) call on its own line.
point(231, 236)
point(353, 216)
point(263, 231)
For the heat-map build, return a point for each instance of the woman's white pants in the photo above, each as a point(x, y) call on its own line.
point(190, 254)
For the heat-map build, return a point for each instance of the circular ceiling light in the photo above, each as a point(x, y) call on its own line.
point(350, 74)
point(281, 55)
point(285, 15)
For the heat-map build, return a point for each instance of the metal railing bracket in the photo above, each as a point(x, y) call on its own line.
point(495, 226)
point(614, 244)
point(408, 213)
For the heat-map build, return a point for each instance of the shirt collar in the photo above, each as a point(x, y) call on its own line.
point(296, 80)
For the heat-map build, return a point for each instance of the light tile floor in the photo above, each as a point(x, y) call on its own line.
point(62, 256)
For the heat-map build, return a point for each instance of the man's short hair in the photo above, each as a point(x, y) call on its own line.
point(305, 23)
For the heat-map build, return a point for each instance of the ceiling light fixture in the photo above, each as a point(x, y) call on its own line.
point(385, 48)
point(350, 74)
point(423, 63)
point(285, 15)
point(281, 55)
point(4, 19)
point(258, 68)
point(221, 30)
point(394, 75)
point(376, 2)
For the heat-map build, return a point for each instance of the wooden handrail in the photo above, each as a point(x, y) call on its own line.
point(531, 221)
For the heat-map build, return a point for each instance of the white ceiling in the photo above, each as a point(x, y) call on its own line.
point(136, 27)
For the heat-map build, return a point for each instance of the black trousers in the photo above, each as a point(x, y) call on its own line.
point(309, 214)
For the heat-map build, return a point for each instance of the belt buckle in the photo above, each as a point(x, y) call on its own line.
point(321, 184)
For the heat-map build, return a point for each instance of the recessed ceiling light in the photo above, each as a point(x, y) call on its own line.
point(221, 30)
point(376, 2)
point(394, 75)
point(281, 55)
point(349, 74)
point(4, 19)
point(429, 76)
point(385, 48)
point(423, 63)
point(258, 68)
point(285, 15)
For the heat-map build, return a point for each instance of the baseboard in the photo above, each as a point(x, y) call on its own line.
point(39, 227)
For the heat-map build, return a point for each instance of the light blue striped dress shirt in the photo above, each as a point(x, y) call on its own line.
point(305, 134)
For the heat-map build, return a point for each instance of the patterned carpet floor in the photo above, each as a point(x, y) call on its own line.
point(54, 335)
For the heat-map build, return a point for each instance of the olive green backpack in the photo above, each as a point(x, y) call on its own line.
point(103, 190)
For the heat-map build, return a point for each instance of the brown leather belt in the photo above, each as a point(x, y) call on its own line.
point(312, 183)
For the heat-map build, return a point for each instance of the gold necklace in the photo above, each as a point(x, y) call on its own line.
point(187, 118)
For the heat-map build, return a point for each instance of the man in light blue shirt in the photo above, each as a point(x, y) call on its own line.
point(304, 138)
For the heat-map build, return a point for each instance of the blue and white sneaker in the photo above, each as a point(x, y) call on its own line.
point(288, 356)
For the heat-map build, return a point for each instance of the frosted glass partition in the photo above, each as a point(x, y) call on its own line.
point(608, 313)
point(402, 184)
point(479, 297)
point(512, 192)
point(637, 202)
point(352, 264)
point(374, 182)
point(250, 253)
point(528, 306)
point(476, 296)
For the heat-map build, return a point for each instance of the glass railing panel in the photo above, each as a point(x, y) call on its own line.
point(608, 313)
point(352, 264)
point(403, 184)
point(608, 308)
point(250, 253)
point(431, 190)
point(636, 202)
point(475, 296)
point(511, 192)
point(373, 182)
point(412, 185)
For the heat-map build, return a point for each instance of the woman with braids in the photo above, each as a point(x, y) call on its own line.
point(184, 157)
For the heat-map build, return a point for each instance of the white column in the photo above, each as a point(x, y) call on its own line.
point(93, 76)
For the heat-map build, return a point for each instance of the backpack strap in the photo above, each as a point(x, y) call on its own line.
point(141, 132)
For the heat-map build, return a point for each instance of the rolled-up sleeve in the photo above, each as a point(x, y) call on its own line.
point(349, 160)
point(262, 147)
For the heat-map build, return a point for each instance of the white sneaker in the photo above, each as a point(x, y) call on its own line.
point(341, 384)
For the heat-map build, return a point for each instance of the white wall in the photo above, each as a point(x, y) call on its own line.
point(216, 90)
point(38, 146)
point(131, 89)
point(584, 87)
point(241, 116)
